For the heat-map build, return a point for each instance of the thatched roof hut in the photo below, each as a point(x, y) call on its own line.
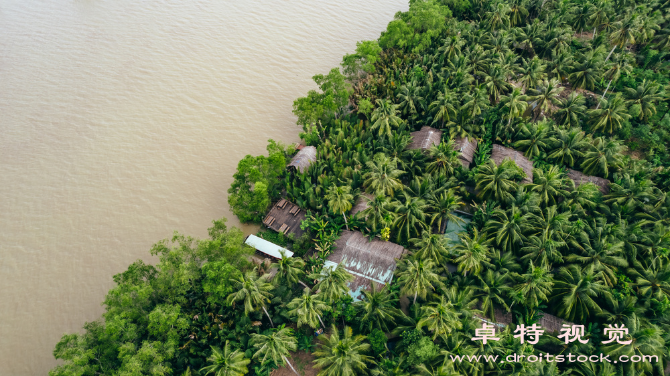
point(466, 146)
point(580, 178)
point(303, 159)
point(549, 323)
point(362, 203)
point(500, 153)
point(368, 261)
point(425, 138)
point(285, 217)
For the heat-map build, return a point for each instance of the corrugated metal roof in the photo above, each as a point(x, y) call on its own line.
point(267, 247)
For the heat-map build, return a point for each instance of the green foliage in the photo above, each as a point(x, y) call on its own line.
point(217, 280)
point(256, 183)
point(331, 101)
point(417, 347)
point(377, 339)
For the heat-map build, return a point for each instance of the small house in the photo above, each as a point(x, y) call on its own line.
point(302, 159)
point(368, 261)
point(580, 178)
point(285, 217)
point(466, 146)
point(500, 153)
point(425, 138)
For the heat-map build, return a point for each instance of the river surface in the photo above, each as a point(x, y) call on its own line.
point(122, 121)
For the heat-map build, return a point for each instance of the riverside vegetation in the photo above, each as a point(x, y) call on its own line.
point(573, 84)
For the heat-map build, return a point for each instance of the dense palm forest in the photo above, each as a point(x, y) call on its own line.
point(573, 84)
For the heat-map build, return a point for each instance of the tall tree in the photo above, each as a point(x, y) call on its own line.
point(472, 253)
point(576, 292)
point(441, 318)
point(383, 175)
point(275, 346)
point(610, 117)
point(289, 270)
point(384, 118)
point(378, 310)
point(332, 282)
point(417, 277)
point(340, 200)
point(308, 309)
point(342, 355)
point(253, 291)
point(226, 362)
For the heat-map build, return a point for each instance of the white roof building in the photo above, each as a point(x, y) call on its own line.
point(266, 247)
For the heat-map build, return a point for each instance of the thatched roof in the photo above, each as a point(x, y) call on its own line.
point(425, 138)
point(500, 153)
point(549, 323)
point(361, 204)
point(580, 178)
point(366, 260)
point(285, 217)
point(303, 159)
point(466, 146)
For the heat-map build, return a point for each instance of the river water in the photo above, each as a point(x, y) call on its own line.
point(122, 121)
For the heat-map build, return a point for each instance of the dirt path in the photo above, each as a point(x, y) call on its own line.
point(302, 362)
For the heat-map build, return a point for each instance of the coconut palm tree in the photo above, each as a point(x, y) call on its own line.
point(382, 176)
point(533, 71)
point(492, 288)
point(308, 309)
point(496, 82)
point(568, 147)
point(332, 282)
point(384, 118)
point(289, 270)
point(472, 253)
point(560, 65)
point(533, 138)
point(645, 339)
point(376, 212)
point(586, 73)
point(495, 182)
point(621, 64)
point(475, 103)
point(342, 355)
point(340, 200)
point(411, 101)
point(535, 285)
point(450, 48)
point(417, 277)
point(543, 249)
point(551, 185)
point(377, 309)
point(410, 216)
point(602, 155)
point(253, 290)
point(513, 105)
point(508, 226)
point(445, 159)
point(644, 97)
point(274, 346)
point(624, 33)
point(226, 363)
point(431, 246)
point(610, 117)
point(545, 95)
point(601, 255)
point(653, 281)
point(571, 109)
point(443, 108)
point(441, 318)
point(576, 291)
point(442, 206)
